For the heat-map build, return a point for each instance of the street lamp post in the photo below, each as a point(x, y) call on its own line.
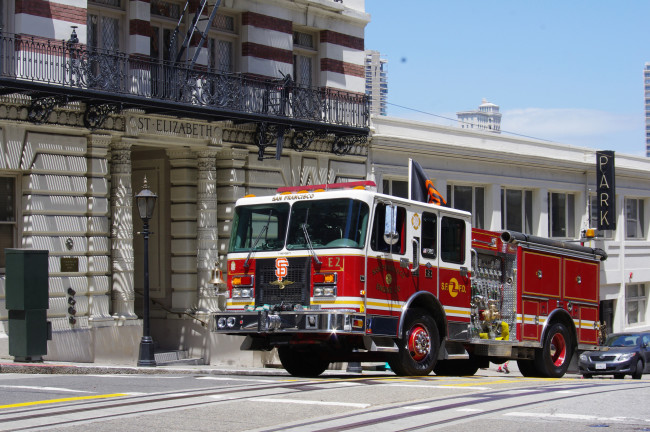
point(146, 201)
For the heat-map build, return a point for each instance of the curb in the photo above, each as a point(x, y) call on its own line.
point(68, 369)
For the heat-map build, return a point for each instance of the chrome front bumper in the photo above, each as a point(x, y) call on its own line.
point(264, 321)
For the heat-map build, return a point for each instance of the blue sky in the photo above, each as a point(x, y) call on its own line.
point(566, 71)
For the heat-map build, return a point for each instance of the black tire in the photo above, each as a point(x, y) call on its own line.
point(638, 372)
point(467, 367)
point(303, 363)
point(418, 347)
point(553, 359)
point(527, 368)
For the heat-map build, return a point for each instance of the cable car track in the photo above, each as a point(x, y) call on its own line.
point(103, 409)
point(478, 398)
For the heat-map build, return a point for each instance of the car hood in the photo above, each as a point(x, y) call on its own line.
point(620, 350)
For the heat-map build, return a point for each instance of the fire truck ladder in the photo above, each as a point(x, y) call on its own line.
point(204, 5)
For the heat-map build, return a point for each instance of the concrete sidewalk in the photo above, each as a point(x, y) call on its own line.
point(51, 367)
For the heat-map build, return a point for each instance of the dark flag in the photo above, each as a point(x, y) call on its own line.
point(421, 188)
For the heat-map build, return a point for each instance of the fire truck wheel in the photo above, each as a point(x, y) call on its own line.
point(418, 348)
point(302, 363)
point(553, 359)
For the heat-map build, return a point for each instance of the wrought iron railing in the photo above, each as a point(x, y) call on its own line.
point(63, 67)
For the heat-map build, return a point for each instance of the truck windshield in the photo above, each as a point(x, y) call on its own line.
point(329, 223)
point(259, 227)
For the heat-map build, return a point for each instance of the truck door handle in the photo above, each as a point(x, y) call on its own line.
point(416, 256)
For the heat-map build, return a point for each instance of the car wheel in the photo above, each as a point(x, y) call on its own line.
point(419, 346)
point(638, 372)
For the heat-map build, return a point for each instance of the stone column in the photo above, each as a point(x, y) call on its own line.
point(183, 211)
point(122, 231)
point(207, 234)
point(98, 233)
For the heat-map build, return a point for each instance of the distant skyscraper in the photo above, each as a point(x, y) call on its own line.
point(487, 117)
point(646, 83)
point(376, 82)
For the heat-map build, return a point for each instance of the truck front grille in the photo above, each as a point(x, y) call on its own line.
point(294, 288)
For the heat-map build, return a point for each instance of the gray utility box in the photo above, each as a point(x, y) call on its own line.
point(27, 298)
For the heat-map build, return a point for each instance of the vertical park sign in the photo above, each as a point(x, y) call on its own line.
point(606, 206)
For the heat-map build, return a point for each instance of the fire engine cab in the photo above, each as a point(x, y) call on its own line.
point(339, 272)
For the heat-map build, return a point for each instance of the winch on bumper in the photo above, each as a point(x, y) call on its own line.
point(265, 321)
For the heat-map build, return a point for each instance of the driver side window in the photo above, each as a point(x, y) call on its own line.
point(378, 227)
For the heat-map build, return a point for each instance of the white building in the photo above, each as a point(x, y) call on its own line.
point(377, 82)
point(486, 117)
point(536, 187)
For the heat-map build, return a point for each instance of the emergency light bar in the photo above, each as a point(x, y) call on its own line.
point(311, 188)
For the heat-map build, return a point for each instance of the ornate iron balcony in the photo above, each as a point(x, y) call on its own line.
point(46, 68)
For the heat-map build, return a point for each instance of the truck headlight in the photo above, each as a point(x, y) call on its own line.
point(221, 322)
point(584, 357)
point(230, 322)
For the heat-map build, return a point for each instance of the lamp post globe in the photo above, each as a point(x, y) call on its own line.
point(146, 201)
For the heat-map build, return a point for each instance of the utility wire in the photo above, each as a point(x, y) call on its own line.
point(460, 121)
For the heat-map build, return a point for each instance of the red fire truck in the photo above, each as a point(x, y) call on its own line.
point(335, 273)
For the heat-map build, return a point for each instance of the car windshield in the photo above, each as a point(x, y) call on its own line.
point(259, 227)
point(626, 340)
point(331, 223)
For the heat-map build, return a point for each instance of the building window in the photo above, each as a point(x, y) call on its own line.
point(635, 304)
point(593, 219)
point(304, 58)
point(397, 188)
point(561, 215)
point(7, 217)
point(104, 24)
point(634, 219)
point(165, 9)
point(3, 16)
point(517, 210)
point(468, 198)
point(220, 55)
point(221, 44)
point(163, 49)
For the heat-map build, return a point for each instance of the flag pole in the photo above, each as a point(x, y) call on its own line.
point(410, 177)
